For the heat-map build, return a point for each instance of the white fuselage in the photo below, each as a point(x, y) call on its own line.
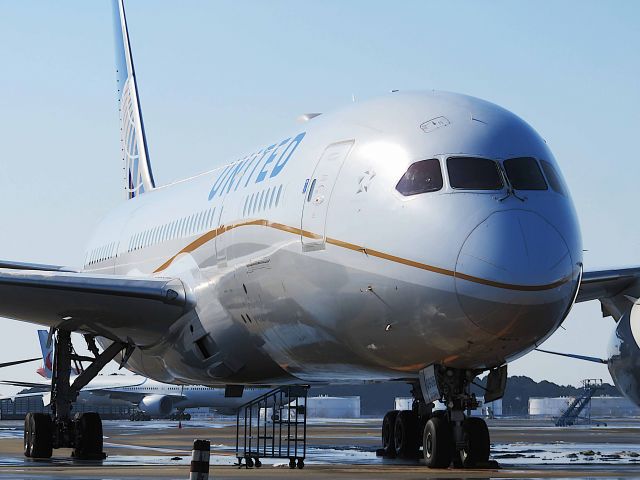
point(160, 399)
point(307, 265)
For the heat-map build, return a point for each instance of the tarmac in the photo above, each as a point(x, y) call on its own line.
point(336, 449)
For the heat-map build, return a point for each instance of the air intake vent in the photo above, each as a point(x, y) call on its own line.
point(206, 346)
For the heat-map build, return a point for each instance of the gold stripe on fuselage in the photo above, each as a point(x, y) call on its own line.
point(198, 242)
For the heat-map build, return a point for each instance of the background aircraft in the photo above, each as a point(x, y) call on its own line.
point(156, 399)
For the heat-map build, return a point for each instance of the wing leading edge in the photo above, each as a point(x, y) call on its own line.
point(614, 288)
point(123, 309)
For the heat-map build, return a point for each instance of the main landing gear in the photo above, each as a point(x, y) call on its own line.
point(82, 432)
point(447, 437)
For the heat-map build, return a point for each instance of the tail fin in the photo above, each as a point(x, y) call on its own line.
point(138, 175)
point(46, 370)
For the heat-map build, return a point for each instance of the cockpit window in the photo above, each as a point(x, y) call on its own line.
point(421, 177)
point(474, 173)
point(553, 177)
point(524, 174)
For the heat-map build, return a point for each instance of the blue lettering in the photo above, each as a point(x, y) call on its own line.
point(263, 172)
point(258, 163)
point(219, 181)
point(277, 168)
point(235, 172)
point(231, 174)
point(253, 157)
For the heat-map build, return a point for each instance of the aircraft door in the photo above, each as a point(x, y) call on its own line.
point(318, 194)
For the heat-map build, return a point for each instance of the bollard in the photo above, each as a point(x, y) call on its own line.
point(200, 460)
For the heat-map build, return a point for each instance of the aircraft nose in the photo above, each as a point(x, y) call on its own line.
point(513, 275)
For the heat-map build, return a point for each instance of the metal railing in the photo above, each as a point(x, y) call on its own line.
point(273, 425)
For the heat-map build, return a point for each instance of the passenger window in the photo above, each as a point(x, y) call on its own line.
point(421, 177)
point(262, 200)
point(524, 174)
point(273, 192)
point(311, 189)
point(472, 173)
point(553, 177)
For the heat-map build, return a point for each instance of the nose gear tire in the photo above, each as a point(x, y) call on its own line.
point(437, 443)
point(388, 434)
point(478, 442)
point(406, 434)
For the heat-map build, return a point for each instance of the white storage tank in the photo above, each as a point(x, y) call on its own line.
point(333, 407)
point(613, 407)
point(403, 403)
point(492, 409)
point(548, 406)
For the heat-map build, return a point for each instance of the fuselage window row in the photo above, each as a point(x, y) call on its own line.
point(179, 228)
point(101, 254)
point(259, 201)
point(186, 226)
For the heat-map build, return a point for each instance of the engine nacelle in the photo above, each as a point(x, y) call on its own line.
point(624, 355)
point(156, 405)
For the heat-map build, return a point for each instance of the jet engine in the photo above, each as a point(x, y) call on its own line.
point(156, 405)
point(624, 355)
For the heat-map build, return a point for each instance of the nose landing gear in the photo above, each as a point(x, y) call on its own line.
point(447, 437)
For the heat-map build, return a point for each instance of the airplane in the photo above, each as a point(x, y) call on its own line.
point(623, 352)
point(418, 237)
point(155, 399)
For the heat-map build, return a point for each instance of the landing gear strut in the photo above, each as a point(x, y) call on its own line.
point(447, 437)
point(82, 432)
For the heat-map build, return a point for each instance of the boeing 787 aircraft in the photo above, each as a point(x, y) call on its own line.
point(417, 237)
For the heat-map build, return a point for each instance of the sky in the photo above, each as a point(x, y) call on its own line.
point(218, 78)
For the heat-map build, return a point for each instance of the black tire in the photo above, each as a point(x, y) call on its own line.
point(300, 464)
point(27, 434)
point(258, 463)
point(477, 440)
point(406, 435)
point(437, 443)
point(88, 440)
point(388, 434)
point(249, 462)
point(41, 436)
point(292, 463)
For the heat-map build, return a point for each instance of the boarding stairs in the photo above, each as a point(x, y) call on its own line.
point(571, 415)
point(273, 425)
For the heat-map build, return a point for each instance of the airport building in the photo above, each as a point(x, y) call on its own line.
point(17, 408)
point(488, 410)
point(549, 407)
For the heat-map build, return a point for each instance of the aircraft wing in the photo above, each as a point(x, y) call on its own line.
point(615, 289)
point(33, 266)
point(606, 283)
point(18, 383)
point(121, 308)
